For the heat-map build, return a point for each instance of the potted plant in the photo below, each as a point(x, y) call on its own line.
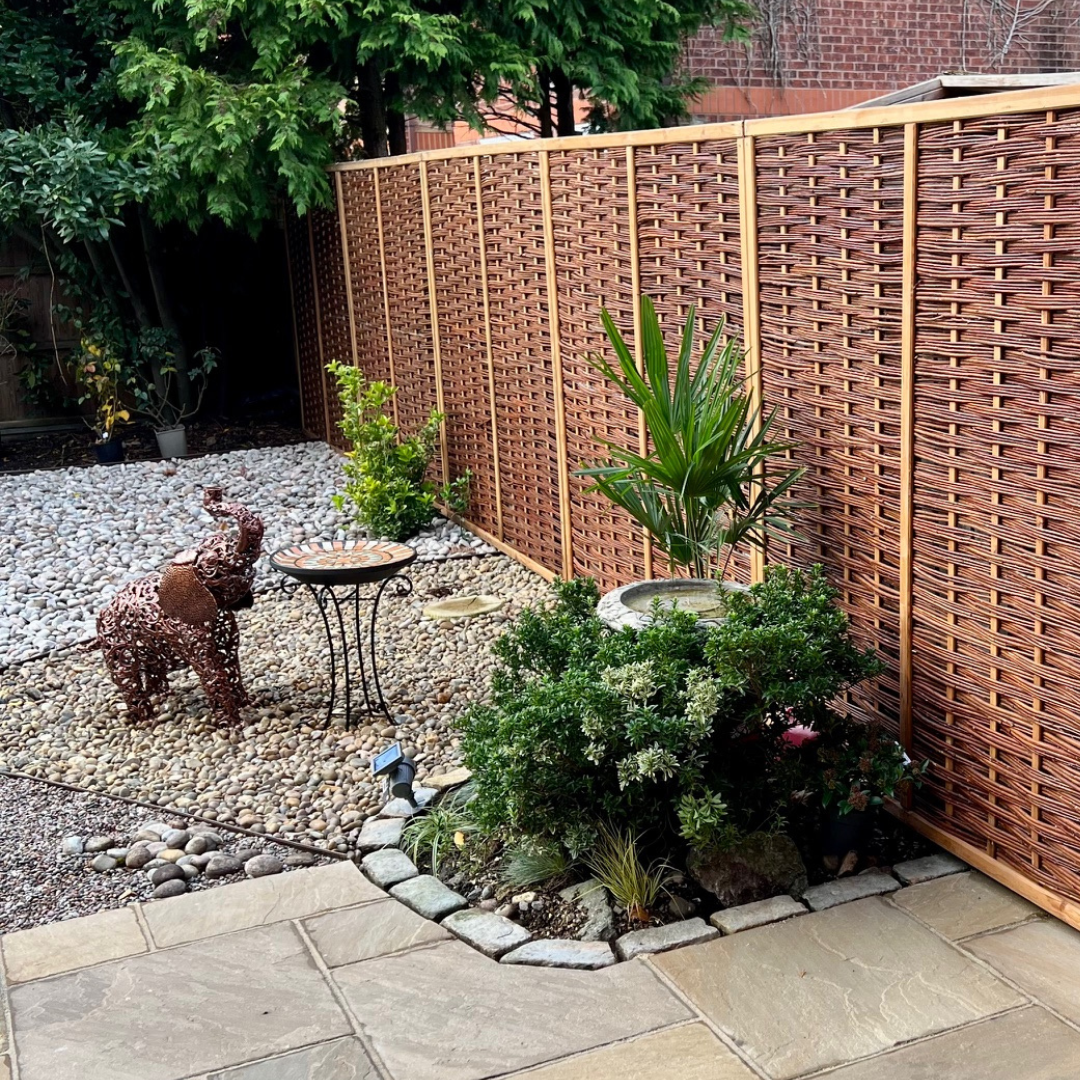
point(154, 392)
point(701, 488)
point(861, 766)
point(99, 375)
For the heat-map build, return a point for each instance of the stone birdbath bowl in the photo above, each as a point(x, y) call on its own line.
point(631, 605)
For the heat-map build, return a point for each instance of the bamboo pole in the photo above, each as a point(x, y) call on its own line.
point(318, 330)
point(556, 368)
point(385, 296)
point(295, 332)
point(425, 199)
point(751, 308)
point(488, 348)
point(339, 189)
point(907, 431)
point(635, 289)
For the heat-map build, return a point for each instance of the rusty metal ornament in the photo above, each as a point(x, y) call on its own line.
point(183, 617)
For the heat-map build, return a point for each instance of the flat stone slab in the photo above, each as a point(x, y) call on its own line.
point(380, 833)
point(844, 890)
point(258, 901)
point(450, 779)
point(71, 944)
point(1029, 1044)
point(345, 937)
point(593, 897)
point(492, 934)
point(691, 1052)
point(389, 867)
point(929, 868)
point(488, 1019)
point(759, 913)
point(848, 983)
point(463, 607)
point(961, 905)
point(661, 938)
point(563, 953)
point(342, 1059)
point(1042, 958)
point(402, 808)
point(182, 1012)
point(429, 897)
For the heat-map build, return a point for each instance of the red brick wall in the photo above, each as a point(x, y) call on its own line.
point(834, 53)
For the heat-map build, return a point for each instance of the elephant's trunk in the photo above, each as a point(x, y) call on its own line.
point(250, 524)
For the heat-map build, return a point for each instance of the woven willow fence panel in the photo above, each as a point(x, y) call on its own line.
point(906, 285)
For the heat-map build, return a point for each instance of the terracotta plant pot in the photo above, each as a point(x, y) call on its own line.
point(172, 442)
point(109, 453)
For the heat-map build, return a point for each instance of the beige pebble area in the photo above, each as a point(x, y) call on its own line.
point(284, 772)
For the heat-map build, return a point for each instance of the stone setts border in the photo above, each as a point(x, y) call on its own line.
point(506, 941)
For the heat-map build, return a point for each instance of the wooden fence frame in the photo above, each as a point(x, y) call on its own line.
point(909, 118)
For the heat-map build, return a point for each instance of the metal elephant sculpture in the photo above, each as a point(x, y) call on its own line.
point(184, 617)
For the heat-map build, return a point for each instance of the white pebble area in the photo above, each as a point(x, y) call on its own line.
point(69, 538)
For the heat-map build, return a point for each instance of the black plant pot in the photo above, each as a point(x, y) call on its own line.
point(841, 833)
point(108, 453)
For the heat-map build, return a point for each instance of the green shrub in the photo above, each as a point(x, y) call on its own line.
point(385, 474)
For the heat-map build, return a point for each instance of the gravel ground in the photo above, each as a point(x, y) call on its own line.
point(69, 538)
point(61, 718)
point(39, 884)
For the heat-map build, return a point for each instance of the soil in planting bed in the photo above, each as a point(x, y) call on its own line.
point(39, 884)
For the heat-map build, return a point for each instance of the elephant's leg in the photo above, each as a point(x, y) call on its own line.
point(227, 642)
point(122, 663)
point(209, 664)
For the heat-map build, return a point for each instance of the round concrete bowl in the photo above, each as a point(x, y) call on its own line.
point(632, 604)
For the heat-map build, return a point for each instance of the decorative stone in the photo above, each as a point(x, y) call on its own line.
point(388, 867)
point(928, 868)
point(153, 864)
point(380, 833)
point(450, 779)
point(171, 854)
point(168, 872)
point(117, 853)
point(428, 896)
point(562, 952)
point(156, 847)
point(245, 854)
point(759, 913)
point(656, 939)
point(104, 863)
point(593, 897)
point(491, 934)
point(842, 891)
point(299, 859)
point(98, 843)
point(463, 607)
point(172, 887)
point(72, 845)
point(148, 835)
point(190, 872)
point(263, 866)
point(197, 845)
point(758, 867)
point(221, 865)
point(403, 809)
point(681, 908)
point(176, 838)
point(158, 827)
point(137, 857)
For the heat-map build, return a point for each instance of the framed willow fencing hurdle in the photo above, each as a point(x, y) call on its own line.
point(905, 282)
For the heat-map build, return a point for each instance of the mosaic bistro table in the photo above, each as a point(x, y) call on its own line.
point(323, 567)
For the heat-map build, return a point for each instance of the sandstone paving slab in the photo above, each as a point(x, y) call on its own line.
point(177, 1013)
point(929, 868)
point(244, 904)
point(449, 1012)
point(342, 1059)
point(759, 913)
point(690, 1052)
point(1042, 958)
point(74, 943)
point(562, 952)
point(1028, 1044)
point(842, 891)
point(346, 937)
point(5, 1067)
point(429, 897)
point(964, 904)
point(656, 939)
point(388, 867)
point(492, 934)
point(829, 987)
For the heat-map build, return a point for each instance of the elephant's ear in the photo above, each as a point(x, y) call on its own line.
point(183, 596)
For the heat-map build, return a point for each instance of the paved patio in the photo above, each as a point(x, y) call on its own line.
point(317, 975)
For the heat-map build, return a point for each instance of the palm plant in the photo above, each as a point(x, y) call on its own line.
point(702, 486)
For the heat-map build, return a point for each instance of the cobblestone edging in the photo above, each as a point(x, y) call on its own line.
point(501, 939)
